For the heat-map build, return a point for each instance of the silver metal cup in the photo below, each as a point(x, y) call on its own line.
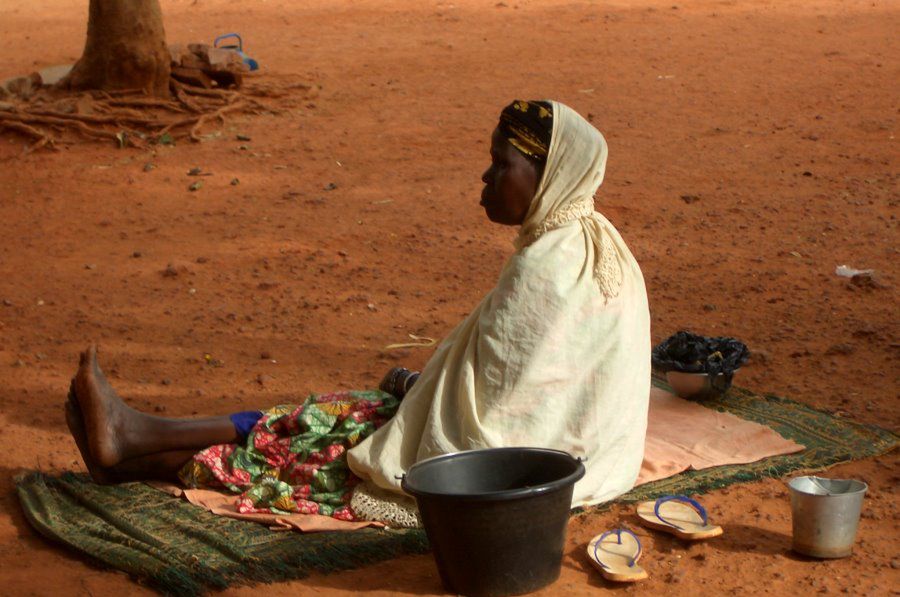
point(825, 514)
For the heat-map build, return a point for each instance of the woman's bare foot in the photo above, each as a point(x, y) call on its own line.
point(76, 427)
point(162, 465)
point(109, 423)
point(114, 432)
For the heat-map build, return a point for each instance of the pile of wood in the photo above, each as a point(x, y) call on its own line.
point(23, 87)
point(202, 65)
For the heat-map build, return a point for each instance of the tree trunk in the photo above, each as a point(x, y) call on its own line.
point(125, 49)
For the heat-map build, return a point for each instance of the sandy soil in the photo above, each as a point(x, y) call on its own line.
point(356, 222)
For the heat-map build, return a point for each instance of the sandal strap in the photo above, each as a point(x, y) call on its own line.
point(683, 499)
point(618, 532)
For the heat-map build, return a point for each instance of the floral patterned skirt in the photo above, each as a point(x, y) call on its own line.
point(295, 458)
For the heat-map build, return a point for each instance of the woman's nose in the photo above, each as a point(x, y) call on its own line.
point(486, 175)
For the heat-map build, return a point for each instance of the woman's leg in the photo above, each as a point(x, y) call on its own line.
point(163, 466)
point(115, 432)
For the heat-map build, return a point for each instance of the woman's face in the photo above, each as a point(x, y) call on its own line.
point(509, 184)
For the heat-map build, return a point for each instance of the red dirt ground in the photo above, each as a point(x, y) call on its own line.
point(780, 117)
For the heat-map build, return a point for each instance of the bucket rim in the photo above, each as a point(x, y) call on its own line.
point(859, 487)
point(503, 495)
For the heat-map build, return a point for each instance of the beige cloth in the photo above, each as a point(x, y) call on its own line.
point(557, 355)
point(683, 435)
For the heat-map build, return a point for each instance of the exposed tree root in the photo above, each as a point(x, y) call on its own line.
point(66, 120)
point(181, 95)
point(42, 138)
point(118, 93)
point(129, 117)
point(141, 102)
point(221, 94)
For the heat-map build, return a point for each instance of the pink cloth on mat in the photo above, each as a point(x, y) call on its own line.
point(682, 435)
point(225, 504)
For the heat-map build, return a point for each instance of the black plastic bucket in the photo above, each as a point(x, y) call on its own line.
point(496, 518)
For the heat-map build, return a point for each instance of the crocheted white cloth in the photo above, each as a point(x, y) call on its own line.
point(607, 271)
point(370, 502)
point(583, 208)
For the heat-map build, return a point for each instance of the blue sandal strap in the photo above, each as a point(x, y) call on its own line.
point(618, 533)
point(679, 498)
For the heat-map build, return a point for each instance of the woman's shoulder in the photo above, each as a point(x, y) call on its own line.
point(558, 257)
point(562, 248)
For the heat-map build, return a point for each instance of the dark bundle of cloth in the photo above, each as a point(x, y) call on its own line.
point(691, 353)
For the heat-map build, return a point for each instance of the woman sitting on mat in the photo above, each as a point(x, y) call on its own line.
point(557, 355)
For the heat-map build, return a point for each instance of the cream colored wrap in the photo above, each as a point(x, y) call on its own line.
point(556, 356)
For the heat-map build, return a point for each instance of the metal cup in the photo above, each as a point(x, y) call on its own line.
point(825, 514)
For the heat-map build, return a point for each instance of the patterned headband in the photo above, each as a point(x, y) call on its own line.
point(528, 126)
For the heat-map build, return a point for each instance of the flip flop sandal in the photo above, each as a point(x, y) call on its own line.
point(679, 515)
point(617, 559)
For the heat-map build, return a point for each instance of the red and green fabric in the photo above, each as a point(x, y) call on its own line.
point(295, 458)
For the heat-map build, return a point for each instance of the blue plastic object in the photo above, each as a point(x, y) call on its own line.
point(239, 48)
point(618, 532)
point(679, 498)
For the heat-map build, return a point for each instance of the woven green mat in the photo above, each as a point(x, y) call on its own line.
point(182, 549)
point(179, 548)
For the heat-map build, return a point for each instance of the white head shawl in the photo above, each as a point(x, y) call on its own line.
point(557, 355)
point(576, 165)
